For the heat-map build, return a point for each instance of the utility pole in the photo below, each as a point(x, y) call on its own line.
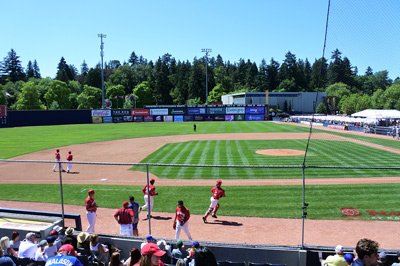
point(102, 70)
point(206, 50)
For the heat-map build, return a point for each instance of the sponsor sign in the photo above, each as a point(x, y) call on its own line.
point(177, 111)
point(254, 117)
point(319, 124)
point(3, 111)
point(188, 118)
point(158, 111)
point(140, 112)
point(229, 118)
point(219, 117)
point(120, 112)
point(107, 119)
point(209, 118)
point(117, 119)
point(255, 110)
point(196, 111)
point(101, 113)
point(239, 117)
point(97, 119)
point(336, 126)
point(372, 214)
point(138, 118)
point(148, 118)
point(216, 111)
point(178, 118)
point(198, 118)
point(128, 118)
point(168, 118)
point(157, 118)
point(235, 110)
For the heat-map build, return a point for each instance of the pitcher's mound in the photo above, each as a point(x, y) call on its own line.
point(280, 152)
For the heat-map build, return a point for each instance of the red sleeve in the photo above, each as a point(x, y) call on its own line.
point(117, 213)
point(152, 191)
point(187, 214)
point(144, 189)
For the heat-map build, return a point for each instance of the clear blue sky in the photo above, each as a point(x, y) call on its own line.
point(367, 32)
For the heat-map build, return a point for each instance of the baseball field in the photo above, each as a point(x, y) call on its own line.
point(351, 178)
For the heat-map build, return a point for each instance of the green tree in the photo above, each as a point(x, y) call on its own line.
point(378, 99)
point(29, 70)
point(116, 91)
point(338, 90)
point(28, 99)
point(3, 98)
point(363, 103)
point(90, 98)
point(272, 72)
point(36, 70)
point(194, 101)
point(321, 109)
point(318, 74)
point(392, 97)
point(144, 94)
point(216, 93)
point(287, 85)
point(12, 67)
point(58, 92)
point(64, 72)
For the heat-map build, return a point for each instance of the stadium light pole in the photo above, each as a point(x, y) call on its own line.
point(206, 50)
point(102, 70)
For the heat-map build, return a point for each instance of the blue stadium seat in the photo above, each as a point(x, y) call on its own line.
point(236, 263)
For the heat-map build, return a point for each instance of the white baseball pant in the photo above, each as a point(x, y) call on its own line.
point(185, 228)
point(91, 216)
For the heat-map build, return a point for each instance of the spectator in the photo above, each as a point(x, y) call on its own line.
point(204, 257)
point(51, 249)
point(180, 262)
point(40, 256)
point(382, 259)
point(66, 256)
point(192, 250)
point(5, 245)
point(179, 252)
point(367, 252)
point(134, 258)
point(398, 258)
point(99, 251)
point(349, 258)
point(135, 208)
point(58, 241)
point(337, 259)
point(115, 259)
point(125, 219)
point(5, 260)
point(149, 239)
point(151, 255)
point(83, 241)
point(28, 248)
point(69, 238)
point(14, 243)
point(166, 258)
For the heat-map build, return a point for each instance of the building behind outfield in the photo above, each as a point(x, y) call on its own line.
point(300, 102)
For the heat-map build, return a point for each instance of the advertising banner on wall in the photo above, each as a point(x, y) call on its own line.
point(198, 118)
point(196, 111)
point(178, 118)
point(97, 119)
point(177, 111)
point(158, 111)
point(101, 113)
point(219, 117)
point(157, 118)
point(255, 110)
point(208, 118)
point(140, 112)
point(128, 118)
point(118, 119)
point(138, 118)
point(254, 117)
point(107, 119)
point(235, 110)
point(229, 118)
point(188, 118)
point(216, 111)
point(168, 118)
point(148, 118)
point(3, 111)
point(120, 112)
point(239, 117)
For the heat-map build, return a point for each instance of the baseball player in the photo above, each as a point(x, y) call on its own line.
point(218, 192)
point(58, 159)
point(124, 217)
point(69, 159)
point(149, 198)
point(91, 208)
point(182, 214)
point(135, 209)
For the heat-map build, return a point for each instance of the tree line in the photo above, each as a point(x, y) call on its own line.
point(167, 81)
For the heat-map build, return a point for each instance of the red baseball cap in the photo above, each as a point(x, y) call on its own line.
point(125, 203)
point(54, 233)
point(91, 191)
point(152, 180)
point(219, 182)
point(69, 248)
point(151, 248)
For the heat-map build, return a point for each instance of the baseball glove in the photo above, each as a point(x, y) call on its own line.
point(174, 225)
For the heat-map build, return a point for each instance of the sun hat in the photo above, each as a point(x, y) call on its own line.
point(151, 248)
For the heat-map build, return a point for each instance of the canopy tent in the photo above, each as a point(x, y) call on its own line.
point(377, 114)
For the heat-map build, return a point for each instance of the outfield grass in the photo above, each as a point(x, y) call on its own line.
point(23, 140)
point(325, 201)
point(243, 152)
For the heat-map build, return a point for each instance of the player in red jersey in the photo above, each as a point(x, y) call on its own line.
point(182, 214)
point(124, 217)
point(218, 192)
point(58, 159)
point(149, 198)
point(69, 159)
point(91, 208)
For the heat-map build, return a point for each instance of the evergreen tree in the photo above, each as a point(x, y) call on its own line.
point(133, 59)
point(12, 67)
point(272, 75)
point(36, 70)
point(84, 68)
point(64, 72)
point(369, 71)
point(29, 70)
point(318, 76)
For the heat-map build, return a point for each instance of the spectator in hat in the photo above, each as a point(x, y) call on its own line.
point(69, 238)
point(367, 252)
point(5, 245)
point(51, 249)
point(149, 239)
point(125, 219)
point(134, 257)
point(192, 250)
point(5, 260)
point(349, 258)
point(179, 252)
point(398, 258)
point(382, 259)
point(91, 208)
point(58, 241)
point(40, 256)
point(151, 254)
point(83, 241)
point(66, 256)
point(28, 247)
point(337, 259)
point(166, 258)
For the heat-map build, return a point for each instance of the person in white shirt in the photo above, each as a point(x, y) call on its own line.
point(40, 256)
point(28, 247)
point(51, 249)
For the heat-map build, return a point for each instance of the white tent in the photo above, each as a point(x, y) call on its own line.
point(377, 114)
